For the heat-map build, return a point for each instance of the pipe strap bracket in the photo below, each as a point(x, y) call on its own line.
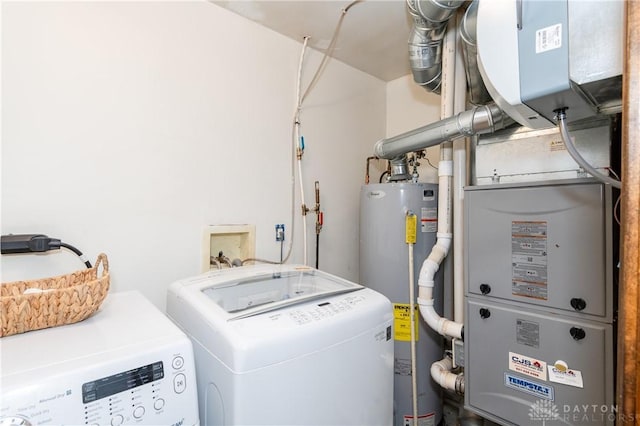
point(445, 168)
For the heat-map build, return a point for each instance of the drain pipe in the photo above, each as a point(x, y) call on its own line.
point(442, 375)
point(441, 370)
point(430, 266)
point(426, 279)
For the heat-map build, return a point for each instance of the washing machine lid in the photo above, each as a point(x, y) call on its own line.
point(247, 296)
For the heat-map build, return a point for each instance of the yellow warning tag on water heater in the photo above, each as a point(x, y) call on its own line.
point(411, 222)
point(402, 322)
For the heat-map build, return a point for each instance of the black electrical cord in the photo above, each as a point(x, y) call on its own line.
point(35, 243)
point(76, 251)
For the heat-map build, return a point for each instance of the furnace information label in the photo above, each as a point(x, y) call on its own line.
point(529, 259)
point(528, 333)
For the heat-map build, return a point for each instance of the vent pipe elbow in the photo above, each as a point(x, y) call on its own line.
point(434, 10)
point(442, 375)
point(425, 58)
point(430, 19)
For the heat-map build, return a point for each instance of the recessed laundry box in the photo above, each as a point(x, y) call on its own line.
point(287, 345)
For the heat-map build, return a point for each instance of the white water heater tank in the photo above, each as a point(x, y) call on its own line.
point(384, 267)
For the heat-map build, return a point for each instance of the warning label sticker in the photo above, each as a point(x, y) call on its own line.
point(429, 219)
point(528, 366)
point(402, 367)
point(549, 38)
point(557, 145)
point(529, 259)
point(423, 420)
point(402, 322)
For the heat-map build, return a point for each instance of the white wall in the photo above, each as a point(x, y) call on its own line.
point(410, 106)
point(129, 127)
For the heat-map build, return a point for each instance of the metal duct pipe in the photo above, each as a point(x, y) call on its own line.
point(476, 121)
point(434, 11)
point(478, 94)
point(425, 58)
point(399, 169)
point(425, 42)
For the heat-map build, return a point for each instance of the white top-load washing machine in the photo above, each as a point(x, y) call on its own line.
point(287, 345)
point(127, 364)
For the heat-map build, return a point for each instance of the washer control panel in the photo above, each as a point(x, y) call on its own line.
point(322, 310)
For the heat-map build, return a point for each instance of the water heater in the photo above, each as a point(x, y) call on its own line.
point(384, 267)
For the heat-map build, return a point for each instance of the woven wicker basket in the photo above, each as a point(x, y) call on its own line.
point(54, 301)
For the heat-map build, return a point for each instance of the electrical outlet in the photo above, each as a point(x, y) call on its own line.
point(280, 232)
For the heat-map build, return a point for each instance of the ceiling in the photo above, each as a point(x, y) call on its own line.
point(373, 37)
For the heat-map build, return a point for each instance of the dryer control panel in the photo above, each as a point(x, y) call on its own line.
point(151, 393)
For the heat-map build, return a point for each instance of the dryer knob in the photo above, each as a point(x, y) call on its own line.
point(14, 421)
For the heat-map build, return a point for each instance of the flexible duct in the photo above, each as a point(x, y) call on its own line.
point(478, 94)
point(425, 42)
point(479, 120)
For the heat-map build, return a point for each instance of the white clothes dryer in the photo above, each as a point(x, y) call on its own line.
point(128, 364)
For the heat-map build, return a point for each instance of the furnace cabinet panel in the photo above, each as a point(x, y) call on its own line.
point(544, 245)
point(503, 380)
point(539, 303)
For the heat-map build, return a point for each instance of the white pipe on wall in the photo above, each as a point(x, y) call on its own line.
point(439, 251)
point(460, 180)
point(414, 372)
point(442, 375)
point(299, 149)
point(445, 203)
